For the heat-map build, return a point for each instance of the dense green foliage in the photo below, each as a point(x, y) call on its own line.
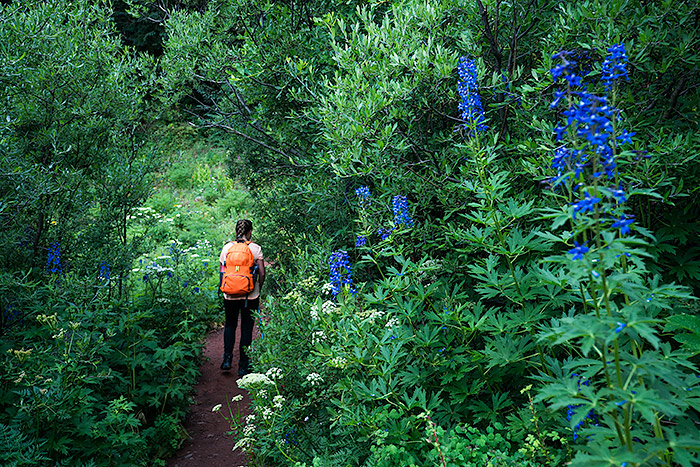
point(108, 267)
point(500, 310)
point(472, 314)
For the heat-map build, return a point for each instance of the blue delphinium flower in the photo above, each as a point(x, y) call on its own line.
point(361, 241)
point(578, 250)
point(620, 326)
point(619, 194)
point(341, 273)
point(591, 417)
point(470, 101)
point(53, 261)
point(567, 69)
point(588, 117)
point(585, 204)
point(104, 271)
point(614, 66)
point(384, 233)
point(400, 207)
point(623, 223)
point(625, 137)
point(363, 196)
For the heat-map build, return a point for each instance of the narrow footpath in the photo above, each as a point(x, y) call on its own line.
point(208, 444)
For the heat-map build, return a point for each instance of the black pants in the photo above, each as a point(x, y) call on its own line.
point(232, 307)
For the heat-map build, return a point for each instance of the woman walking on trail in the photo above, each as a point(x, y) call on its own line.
point(239, 277)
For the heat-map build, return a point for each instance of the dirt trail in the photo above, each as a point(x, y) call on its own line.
point(208, 444)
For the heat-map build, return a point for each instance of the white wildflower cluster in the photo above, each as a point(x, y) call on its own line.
point(157, 267)
point(145, 212)
point(262, 393)
point(317, 337)
point(326, 308)
point(253, 380)
point(267, 413)
point(327, 288)
point(249, 430)
point(338, 362)
point(163, 300)
point(393, 322)
point(294, 296)
point(216, 408)
point(278, 402)
point(429, 270)
point(274, 374)
point(237, 398)
point(375, 315)
point(314, 379)
point(244, 444)
point(309, 283)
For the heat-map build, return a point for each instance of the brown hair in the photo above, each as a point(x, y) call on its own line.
point(243, 229)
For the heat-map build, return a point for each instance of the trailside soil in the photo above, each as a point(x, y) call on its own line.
point(208, 444)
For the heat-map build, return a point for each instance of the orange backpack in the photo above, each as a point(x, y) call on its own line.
point(238, 270)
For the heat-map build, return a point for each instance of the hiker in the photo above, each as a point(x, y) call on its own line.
point(242, 275)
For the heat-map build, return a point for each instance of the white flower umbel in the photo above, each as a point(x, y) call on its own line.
point(317, 337)
point(329, 307)
point(278, 401)
point(392, 323)
point(338, 362)
point(253, 380)
point(327, 288)
point(249, 430)
point(267, 413)
point(237, 398)
point(314, 379)
point(216, 408)
point(274, 373)
point(244, 444)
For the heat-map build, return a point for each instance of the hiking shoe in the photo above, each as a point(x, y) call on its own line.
point(226, 364)
point(243, 370)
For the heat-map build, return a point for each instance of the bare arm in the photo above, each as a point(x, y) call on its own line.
point(261, 271)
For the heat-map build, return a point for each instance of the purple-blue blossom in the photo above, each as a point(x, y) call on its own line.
point(614, 66)
point(400, 208)
point(340, 272)
point(585, 204)
point(579, 250)
point(623, 223)
point(53, 260)
point(361, 241)
point(625, 137)
point(384, 233)
point(363, 195)
point(104, 271)
point(472, 112)
point(619, 194)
